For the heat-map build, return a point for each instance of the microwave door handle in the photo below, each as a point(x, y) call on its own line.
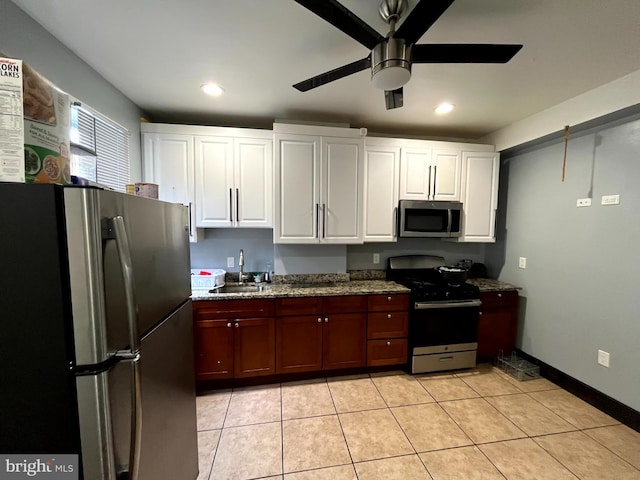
point(124, 253)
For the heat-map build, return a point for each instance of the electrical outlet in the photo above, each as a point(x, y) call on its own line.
point(230, 262)
point(603, 358)
point(522, 263)
point(610, 200)
point(583, 202)
point(376, 258)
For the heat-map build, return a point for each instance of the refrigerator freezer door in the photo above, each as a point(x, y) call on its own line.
point(169, 441)
point(157, 234)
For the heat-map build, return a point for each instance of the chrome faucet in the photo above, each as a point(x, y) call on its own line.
point(242, 276)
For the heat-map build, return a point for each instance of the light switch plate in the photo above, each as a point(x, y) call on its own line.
point(522, 263)
point(603, 358)
point(230, 262)
point(376, 258)
point(610, 200)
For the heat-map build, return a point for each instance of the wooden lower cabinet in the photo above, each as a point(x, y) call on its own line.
point(387, 330)
point(497, 324)
point(387, 352)
point(322, 339)
point(237, 345)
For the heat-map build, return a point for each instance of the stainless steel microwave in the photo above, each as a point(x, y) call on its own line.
point(422, 218)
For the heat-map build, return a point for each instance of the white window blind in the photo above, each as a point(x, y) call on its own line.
point(99, 149)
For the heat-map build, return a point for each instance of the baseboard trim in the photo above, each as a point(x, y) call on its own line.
point(612, 407)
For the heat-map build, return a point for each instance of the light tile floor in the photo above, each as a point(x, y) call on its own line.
point(475, 424)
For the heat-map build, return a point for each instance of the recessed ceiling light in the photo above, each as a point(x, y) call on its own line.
point(212, 89)
point(444, 108)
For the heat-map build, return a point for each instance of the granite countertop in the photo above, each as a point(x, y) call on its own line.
point(491, 285)
point(273, 290)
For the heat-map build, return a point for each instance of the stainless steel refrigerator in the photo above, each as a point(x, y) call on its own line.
point(96, 347)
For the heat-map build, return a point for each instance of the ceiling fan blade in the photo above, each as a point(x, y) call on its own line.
point(423, 15)
point(335, 74)
point(463, 53)
point(393, 98)
point(344, 20)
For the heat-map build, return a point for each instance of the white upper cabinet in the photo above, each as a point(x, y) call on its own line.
point(168, 161)
point(234, 181)
point(429, 172)
point(318, 185)
point(381, 189)
point(480, 196)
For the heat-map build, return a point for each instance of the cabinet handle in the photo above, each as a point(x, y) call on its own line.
point(190, 224)
point(435, 170)
point(319, 320)
point(237, 204)
point(237, 324)
point(229, 324)
point(479, 313)
point(324, 217)
point(231, 205)
point(429, 193)
point(500, 295)
point(317, 220)
point(326, 319)
point(395, 222)
point(389, 299)
point(388, 315)
point(388, 343)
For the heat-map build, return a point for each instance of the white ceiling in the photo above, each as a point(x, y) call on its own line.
point(158, 53)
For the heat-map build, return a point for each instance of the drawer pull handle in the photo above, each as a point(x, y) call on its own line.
point(237, 324)
point(500, 295)
point(388, 344)
point(229, 324)
point(319, 320)
point(388, 315)
point(326, 319)
point(389, 298)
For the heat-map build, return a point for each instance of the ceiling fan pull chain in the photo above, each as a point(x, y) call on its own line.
point(566, 143)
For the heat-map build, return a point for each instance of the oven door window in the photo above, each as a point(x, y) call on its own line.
point(444, 326)
point(426, 220)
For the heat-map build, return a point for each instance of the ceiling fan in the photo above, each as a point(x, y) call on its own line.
point(391, 57)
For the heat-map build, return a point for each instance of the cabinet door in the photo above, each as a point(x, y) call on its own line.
point(253, 179)
point(392, 351)
point(299, 344)
point(415, 174)
point(447, 166)
point(341, 194)
point(497, 324)
point(381, 190)
point(480, 196)
point(169, 162)
point(297, 179)
point(213, 349)
point(344, 340)
point(214, 181)
point(254, 347)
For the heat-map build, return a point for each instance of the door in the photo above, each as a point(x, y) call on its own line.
point(169, 162)
point(381, 190)
point(341, 194)
point(299, 344)
point(344, 340)
point(215, 193)
point(297, 180)
point(253, 181)
point(447, 167)
point(168, 447)
point(415, 174)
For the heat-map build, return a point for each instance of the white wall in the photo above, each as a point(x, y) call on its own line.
point(581, 287)
point(22, 37)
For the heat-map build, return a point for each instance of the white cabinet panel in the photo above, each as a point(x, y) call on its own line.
point(214, 181)
point(253, 165)
point(342, 180)
point(169, 162)
point(480, 196)
point(447, 174)
point(381, 187)
point(297, 189)
point(415, 171)
point(427, 173)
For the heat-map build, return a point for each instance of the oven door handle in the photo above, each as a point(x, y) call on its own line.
point(433, 305)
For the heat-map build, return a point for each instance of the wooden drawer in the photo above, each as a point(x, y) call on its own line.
point(391, 302)
point(388, 325)
point(299, 306)
point(345, 304)
point(213, 309)
point(387, 352)
point(506, 298)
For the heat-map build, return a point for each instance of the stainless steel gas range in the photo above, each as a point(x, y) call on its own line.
point(443, 317)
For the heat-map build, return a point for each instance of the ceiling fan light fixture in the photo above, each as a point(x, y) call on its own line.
point(390, 64)
point(444, 108)
point(212, 89)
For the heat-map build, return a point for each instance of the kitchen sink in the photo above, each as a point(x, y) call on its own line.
point(239, 288)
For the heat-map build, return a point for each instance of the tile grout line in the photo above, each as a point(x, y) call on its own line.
point(282, 429)
point(220, 436)
point(342, 429)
